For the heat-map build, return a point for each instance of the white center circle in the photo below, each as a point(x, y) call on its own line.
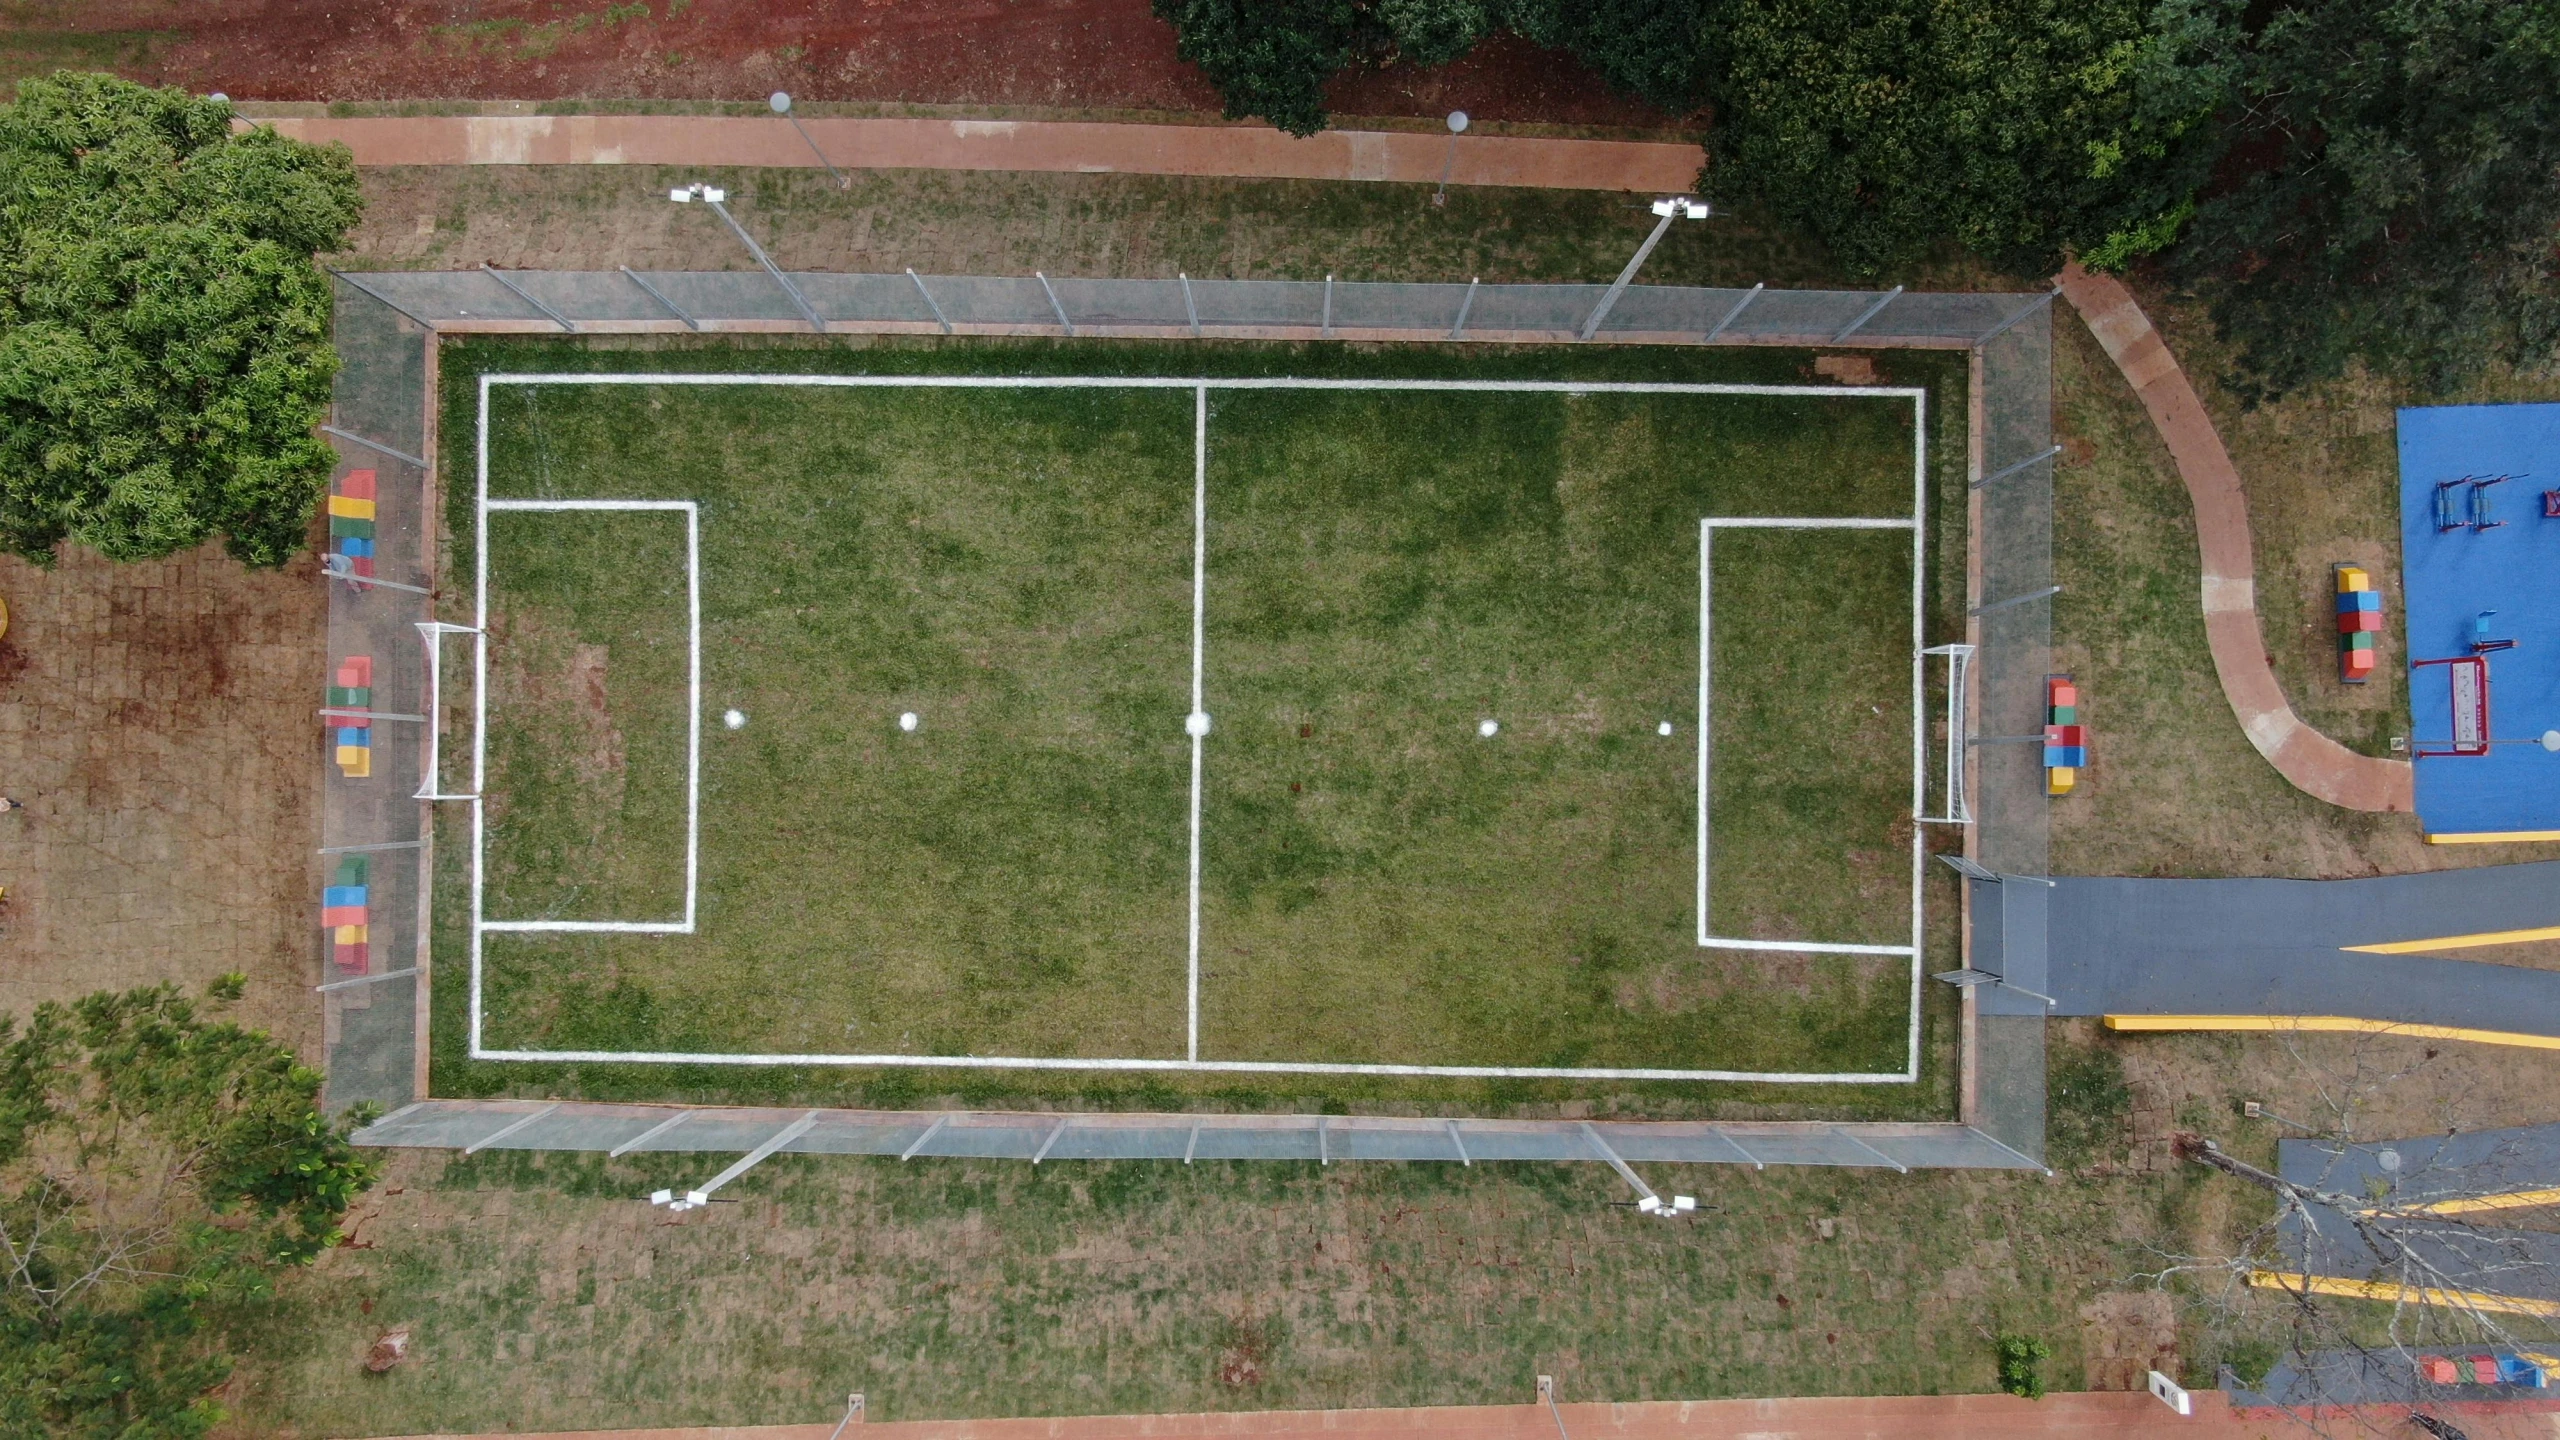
point(1488, 728)
point(1196, 724)
point(1662, 729)
point(734, 719)
point(907, 721)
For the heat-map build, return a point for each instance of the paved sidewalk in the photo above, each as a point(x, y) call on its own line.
point(712, 141)
point(2316, 764)
point(2079, 1416)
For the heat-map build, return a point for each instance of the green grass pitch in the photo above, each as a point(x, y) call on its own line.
point(1379, 572)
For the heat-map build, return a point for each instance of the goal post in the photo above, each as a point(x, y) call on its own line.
point(1958, 810)
point(431, 635)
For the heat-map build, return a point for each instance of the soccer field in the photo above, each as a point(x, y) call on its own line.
point(1454, 727)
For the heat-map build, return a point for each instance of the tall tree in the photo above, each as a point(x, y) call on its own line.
point(157, 1165)
point(2023, 130)
point(164, 334)
point(2402, 196)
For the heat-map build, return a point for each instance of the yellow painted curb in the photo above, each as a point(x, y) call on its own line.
point(2493, 837)
point(2337, 1024)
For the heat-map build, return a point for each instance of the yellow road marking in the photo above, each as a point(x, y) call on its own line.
point(2392, 1290)
point(2331, 1023)
point(2493, 837)
point(2458, 942)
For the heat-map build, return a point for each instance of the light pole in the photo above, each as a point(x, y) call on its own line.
point(1457, 127)
point(781, 103)
point(1675, 207)
point(712, 195)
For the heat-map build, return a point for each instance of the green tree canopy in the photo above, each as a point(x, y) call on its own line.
point(164, 334)
point(2023, 130)
point(1273, 58)
point(2400, 199)
point(156, 1166)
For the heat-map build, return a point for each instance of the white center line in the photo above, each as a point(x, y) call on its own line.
point(1199, 621)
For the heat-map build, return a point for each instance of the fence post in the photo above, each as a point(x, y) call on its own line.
point(1187, 307)
point(1325, 332)
point(1069, 325)
point(939, 318)
point(1736, 312)
point(1463, 307)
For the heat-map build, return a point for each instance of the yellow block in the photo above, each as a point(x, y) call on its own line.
point(351, 507)
point(2391, 1291)
point(2458, 942)
point(349, 935)
point(355, 761)
point(2494, 837)
point(2351, 579)
point(2342, 1024)
point(2058, 779)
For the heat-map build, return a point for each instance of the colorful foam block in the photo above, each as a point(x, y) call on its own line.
point(345, 525)
point(351, 507)
point(2353, 577)
point(2058, 780)
point(2361, 621)
point(2065, 693)
point(2353, 600)
point(355, 762)
point(350, 958)
point(358, 483)
point(342, 911)
point(355, 670)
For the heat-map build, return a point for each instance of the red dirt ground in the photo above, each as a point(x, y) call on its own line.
point(1083, 54)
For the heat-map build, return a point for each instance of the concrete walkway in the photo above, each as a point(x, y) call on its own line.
point(2316, 764)
point(2079, 1416)
point(1258, 151)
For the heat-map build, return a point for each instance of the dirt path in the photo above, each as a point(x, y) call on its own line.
point(2316, 764)
point(2082, 1416)
point(1072, 53)
point(1255, 151)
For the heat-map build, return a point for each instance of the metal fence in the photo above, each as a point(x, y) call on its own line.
point(475, 1125)
point(603, 302)
point(387, 328)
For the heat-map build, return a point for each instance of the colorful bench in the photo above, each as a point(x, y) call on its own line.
point(342, 912)
point(351, 688)
point(2066, 741)
point(351, 522)
point(2359, 623)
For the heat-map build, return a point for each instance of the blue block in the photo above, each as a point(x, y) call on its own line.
point(2359, 602)
point(352, 545)
point(337, 895)
point(355, 736)
point(2060, 756)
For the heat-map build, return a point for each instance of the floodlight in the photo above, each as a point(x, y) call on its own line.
point(1457, 122)
point(1686, 207)
point(696, 1197)
point(661, 1197)
point(680, 195)
point(1684, 1204)
point(1649, 1204)
point(781, 102)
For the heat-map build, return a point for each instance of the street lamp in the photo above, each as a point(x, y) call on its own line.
point(780, 100)
point(1670, 208)
point(712, 195)
point(1457, 127)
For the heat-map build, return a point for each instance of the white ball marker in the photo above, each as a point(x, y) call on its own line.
point(1662, 729)
point(907, 721)
point(1196, 724)
point(734, 719)
point(2551, 739)
point(1488, 728)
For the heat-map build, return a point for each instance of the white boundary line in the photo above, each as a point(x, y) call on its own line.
point(1201, 386)
point(1199, 652)
point(1707, 528)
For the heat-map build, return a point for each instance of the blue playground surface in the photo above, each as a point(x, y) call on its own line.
point(2501, 553)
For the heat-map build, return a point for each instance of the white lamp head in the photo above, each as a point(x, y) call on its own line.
point(781, 102)
point(1687, 207)
point(1458, 122)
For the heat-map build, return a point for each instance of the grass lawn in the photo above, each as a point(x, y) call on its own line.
point(1379, 883)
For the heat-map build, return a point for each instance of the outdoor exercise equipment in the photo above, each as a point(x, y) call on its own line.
point(351, 523)
point(2481, 641)
point(2476, 506)
point(2359, 622)
point(342, 911)
point(2468, 675)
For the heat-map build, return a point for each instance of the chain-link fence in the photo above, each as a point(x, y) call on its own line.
point(386, 331)
point(475, 1125)
point(375, 842)
point(631, 301)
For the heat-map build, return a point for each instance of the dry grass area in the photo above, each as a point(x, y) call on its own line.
point(157, 721)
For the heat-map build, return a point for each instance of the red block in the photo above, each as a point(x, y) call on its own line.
point(355, 670)
point(336, 915)
point(2351, 623)
point(356, 484)
point(350, 957)
point(2069, 735)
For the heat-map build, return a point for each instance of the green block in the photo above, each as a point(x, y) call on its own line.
point(353, 870)
point(2360, 640)
point(2065, 715)
point(352, 696)
point(352, 529)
